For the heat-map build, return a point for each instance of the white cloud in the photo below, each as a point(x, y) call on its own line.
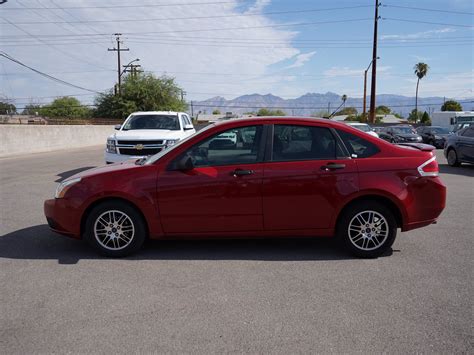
point(259, 5)
point(417, 35)
point(346, 71)
point(181, 48)
point(302, 58)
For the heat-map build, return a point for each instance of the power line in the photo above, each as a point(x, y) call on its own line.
point(428, 22)
point(127, 6)
point(197, 17)
point(5, 55)
point(428, 9)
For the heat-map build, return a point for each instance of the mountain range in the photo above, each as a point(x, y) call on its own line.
point(314, 103)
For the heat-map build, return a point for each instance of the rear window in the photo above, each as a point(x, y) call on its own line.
point(358, 147)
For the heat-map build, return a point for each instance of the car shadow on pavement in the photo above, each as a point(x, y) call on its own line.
point(464, 169)
point(65, 174)
point(39, 242)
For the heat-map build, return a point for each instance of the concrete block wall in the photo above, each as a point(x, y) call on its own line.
point(24, 139)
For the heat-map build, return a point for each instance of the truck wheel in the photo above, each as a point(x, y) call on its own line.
point(115, 229)
point(367, 229)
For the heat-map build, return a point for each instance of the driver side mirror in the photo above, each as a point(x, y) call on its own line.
point(188, 127)
point(117, 127)
point(185, 163)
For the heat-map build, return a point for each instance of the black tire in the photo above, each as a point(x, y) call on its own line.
point(127, 241)
point(372, 250)
point(453, 158)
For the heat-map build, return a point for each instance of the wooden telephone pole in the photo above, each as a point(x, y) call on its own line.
point(119, 67)
point(374, 66)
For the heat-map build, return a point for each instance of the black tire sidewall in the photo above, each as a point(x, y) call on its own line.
point(455, 163)
point(138, 222)
point(347, 216)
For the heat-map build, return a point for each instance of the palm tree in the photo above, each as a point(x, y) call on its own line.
point(421, 69)
point(344, 98)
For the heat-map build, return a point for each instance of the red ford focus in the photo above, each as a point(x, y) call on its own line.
point(264, 177)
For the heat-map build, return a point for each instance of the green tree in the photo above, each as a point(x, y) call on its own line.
point(383, 110)
point(67, 107)
point(346, 111)
point(414, 116)
point(6, 108)
point(216, 112)
point(451, 105)
point(143, 92)
point(267, 112)
point(31, 109)
point(425, 119)
point(421, 70)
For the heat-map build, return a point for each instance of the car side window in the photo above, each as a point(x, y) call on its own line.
point(469, 132)
point(302, 143)
point(358, 147)
point(187, 120)
point(234, 146)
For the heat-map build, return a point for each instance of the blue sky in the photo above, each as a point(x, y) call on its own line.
point(283, 47)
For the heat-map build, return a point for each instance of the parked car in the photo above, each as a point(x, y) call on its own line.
point(147, 133)
point(434, 135)
point(298, 177)
point(459, 147)
point(399, 134)
point(364, 127)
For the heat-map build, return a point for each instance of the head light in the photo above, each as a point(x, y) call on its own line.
point(64, 186)
point(111, 147)
point(171, 142)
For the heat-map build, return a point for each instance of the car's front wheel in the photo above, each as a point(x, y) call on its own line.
point(453, 158)
point(115, 229)
point(367, 229)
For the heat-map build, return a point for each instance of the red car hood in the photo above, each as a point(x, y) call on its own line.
point(111, 168)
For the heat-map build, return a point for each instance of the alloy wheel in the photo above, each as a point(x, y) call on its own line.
point(114, 230)
point(368, 230)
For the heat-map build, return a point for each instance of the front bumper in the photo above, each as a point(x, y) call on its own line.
point(62, 218)
point(111, 158)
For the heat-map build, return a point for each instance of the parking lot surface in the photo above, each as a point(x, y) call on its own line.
point(253, 296)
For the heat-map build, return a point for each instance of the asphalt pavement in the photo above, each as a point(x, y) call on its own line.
point(247, 296)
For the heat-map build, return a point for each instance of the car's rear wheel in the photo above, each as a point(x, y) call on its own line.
point(115, 229)
point(367, 229)
point(453, 158)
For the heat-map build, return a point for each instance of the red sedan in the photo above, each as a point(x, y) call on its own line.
point(265, 177)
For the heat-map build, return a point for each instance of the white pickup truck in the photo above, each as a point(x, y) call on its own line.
point(147, 133)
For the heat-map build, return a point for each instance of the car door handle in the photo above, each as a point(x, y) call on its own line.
point(333, 166)
point(241, 172)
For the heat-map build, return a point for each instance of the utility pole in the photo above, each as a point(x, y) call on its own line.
point(365, 87)
point(183, 93)
point(192, 109)
point(133, 69)
point(119, 69)
point(329, 108)
point(374, 66)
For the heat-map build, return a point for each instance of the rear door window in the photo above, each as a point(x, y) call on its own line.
point(302, 143)
point(358, 147)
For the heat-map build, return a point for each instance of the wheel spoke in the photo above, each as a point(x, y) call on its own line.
point(374, 238)
point(121, 226)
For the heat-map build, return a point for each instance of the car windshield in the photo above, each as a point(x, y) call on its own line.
point(157, 156)
point(168, 122)
point(362, 127)
point(403, 130)
point(440, 130)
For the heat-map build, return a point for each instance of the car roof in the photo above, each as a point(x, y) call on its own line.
point(280, 120)
point(156, 113)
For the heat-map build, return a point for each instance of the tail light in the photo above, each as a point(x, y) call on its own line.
point(429, 167)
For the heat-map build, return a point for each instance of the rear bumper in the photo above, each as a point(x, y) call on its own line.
point(62, 218)
point(426, 201)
